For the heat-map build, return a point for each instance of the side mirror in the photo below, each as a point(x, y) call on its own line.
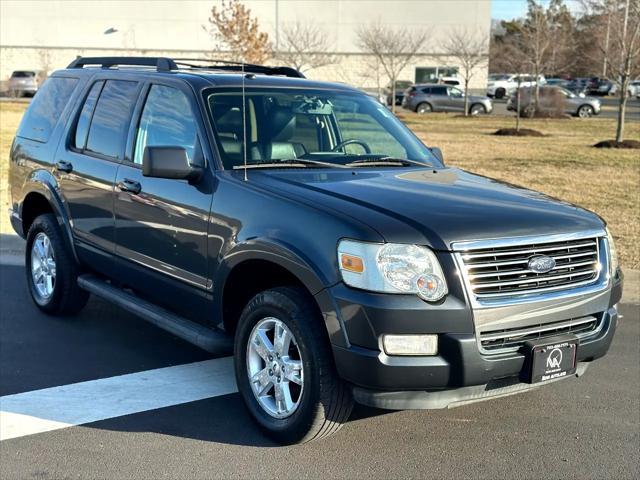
point(437, 153)
point(169, 162)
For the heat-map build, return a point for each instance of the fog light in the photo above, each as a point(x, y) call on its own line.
point(410, 344)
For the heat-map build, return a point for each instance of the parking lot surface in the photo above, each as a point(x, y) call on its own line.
point(108, 364)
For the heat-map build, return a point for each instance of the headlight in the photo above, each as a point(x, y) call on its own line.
point(613, 255)
point(392, 268)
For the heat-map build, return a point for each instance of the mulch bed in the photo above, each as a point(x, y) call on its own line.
point(523, 132)
point(614, 144)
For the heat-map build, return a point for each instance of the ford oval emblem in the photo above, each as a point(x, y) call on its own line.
point(541, 264)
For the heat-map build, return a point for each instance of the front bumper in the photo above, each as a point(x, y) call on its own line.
point(460, 373)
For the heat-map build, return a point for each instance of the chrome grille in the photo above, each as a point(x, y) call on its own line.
point(503, 271)
point(498, 341)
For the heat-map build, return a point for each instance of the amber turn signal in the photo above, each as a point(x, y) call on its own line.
point(351, 263)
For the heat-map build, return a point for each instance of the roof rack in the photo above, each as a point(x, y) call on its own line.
point(164, 64)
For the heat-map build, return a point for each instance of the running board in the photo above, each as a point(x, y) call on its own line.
point(211, 340)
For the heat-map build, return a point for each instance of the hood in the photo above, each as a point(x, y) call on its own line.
point(436, 206)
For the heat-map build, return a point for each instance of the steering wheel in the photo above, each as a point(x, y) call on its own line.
point(353, 141)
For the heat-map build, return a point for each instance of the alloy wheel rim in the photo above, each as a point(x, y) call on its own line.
point(43, 266)
point(274, 368)
point(585, 112)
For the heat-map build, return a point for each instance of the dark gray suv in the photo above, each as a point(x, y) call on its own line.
point(426, 98)
point(302, 227)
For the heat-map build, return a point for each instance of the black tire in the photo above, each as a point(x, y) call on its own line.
point(423, 108)
point(477, 109)
point(325, 402)
point(67, 297)
point(500, 93)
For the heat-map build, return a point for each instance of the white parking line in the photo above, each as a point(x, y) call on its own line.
point(54, 408)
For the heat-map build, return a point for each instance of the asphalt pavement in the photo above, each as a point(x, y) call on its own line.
point(579, 428)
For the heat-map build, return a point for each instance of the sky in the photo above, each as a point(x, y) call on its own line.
point(509, 9)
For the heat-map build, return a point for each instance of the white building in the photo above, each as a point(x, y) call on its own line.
point(47, 35)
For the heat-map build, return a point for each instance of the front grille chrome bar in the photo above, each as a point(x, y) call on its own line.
point(495, 270)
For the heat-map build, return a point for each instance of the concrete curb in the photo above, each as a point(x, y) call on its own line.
point(12, 253)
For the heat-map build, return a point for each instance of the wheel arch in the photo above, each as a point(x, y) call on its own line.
point(258, 265)
point(39, 195)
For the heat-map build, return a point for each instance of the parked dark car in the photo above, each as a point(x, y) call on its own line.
point(428, 97)
point(579, 86)
point(599, 86)
point(401, 86)
point(301, 226)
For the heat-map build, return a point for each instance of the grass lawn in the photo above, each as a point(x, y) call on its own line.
point(562, 164)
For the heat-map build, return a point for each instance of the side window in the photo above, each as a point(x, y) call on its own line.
point(84, 120)
point(454, 92)
point(427, 90)
point(439, 91)
point(108, 130)
point(46, 108)
point(167, 120)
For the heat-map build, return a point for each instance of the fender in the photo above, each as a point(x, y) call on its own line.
point(44, 183)
point(290, 258)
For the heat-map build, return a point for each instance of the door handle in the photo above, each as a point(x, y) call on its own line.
point(130, 186)
point(63, 166)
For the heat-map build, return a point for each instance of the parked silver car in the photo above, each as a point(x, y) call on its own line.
point(23, 82)
point(558, 99)
point(431, 97)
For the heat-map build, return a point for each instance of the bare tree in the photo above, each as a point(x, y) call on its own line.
point(304, 47)
point(236, 31)
point(469, 47)
point(394, 49)
point(620, 47)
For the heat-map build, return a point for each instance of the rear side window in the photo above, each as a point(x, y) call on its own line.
point(426, 90)
point(84, 120)
point(438, 90)
point(108, 129)
point(46, 109)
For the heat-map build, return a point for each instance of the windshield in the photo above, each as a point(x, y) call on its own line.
point(498, 76)
point(309, 125)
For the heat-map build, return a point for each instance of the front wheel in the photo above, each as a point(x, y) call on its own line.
point(477, 109)
point(585, 111)
point(284, 368)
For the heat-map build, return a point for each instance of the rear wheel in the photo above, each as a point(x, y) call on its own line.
point(585, 111)
point(500, 93)
point(52, 273)
point(284, 368)
point(424, 108)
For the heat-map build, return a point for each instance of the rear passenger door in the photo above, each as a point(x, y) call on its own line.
point(161, 224)
point(87, 162)
point(439, 99)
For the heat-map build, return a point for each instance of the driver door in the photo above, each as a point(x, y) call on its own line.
point(161, 224)
point(455, 99)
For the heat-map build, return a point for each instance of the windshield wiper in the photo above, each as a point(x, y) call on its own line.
point(290, 162)
point(389, 161)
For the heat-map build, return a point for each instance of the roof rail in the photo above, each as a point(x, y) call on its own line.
point(238, 66)
point(162, 64)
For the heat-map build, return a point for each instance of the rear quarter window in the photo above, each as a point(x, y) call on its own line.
point(46, 109)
